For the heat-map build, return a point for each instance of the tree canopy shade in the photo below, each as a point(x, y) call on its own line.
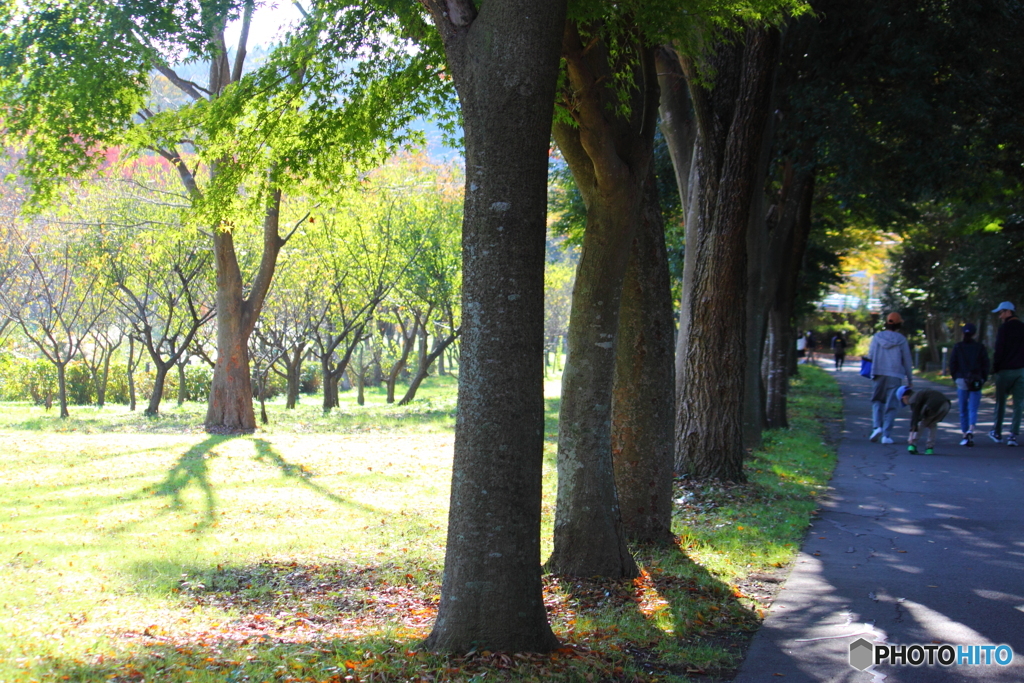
point(74, 82)
point(899, 103)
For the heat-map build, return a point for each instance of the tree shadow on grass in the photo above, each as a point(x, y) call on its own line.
point(191, 467)
point(266, 453)
point(340, 621)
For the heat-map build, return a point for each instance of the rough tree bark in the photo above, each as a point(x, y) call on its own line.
point(504, 63)
point(610, 157)
point(781, 334)
point(765, 238)
point(677, 123)
point(730, 115)
point(230, 408)
point(643, 399)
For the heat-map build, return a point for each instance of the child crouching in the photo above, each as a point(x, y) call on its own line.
point(928, 408)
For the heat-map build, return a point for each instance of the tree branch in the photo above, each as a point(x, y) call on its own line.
point(193, 90)
point(243, 39)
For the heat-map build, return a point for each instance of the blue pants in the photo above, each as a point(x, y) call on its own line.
point(969, 402)
point(883, 402)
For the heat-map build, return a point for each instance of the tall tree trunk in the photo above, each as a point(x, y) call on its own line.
point(643, 405)
point(677, 122)
point(766, 235)
point(230, 408)
point(781, 338)
point(730, 117)
point(504, 63)
point(610, 158)
point(332, 375)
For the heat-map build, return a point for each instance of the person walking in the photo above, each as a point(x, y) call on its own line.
point(812, 346)
point(968, 366)
point(890, 364)
point(1008, 371)
point(839, 350)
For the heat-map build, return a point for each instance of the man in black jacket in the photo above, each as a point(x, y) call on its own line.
point(1008, 370)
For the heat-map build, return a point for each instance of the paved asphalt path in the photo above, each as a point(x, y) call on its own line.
point(906, 549)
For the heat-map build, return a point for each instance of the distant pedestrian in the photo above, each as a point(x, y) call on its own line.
point(890, 364)
point(839, 350)
point(1008, 371)
point(812, 345)
point(968, 366)
point(927, 409)
point(801, 347)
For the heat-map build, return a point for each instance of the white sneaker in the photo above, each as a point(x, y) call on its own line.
point(875, 434)
point(1011, 440)
point(964, 441)
point(887, 440)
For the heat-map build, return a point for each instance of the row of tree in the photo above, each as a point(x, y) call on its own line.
point(771, 111)
point(371, 278)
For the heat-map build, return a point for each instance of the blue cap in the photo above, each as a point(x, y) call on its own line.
point(1005, 306)
point(900, 392)
point(969, 328)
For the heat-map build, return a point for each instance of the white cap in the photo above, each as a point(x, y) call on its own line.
point(1005, 306)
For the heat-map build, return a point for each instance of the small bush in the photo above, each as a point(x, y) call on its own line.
point(79, 385)
point(198, 379)
point(30, 379)
point(309, 379)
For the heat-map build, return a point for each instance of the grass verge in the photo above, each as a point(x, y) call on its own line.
point(289, 556)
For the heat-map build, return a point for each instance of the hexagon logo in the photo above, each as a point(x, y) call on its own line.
point(862, 654)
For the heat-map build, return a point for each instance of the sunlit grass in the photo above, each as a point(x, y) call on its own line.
point(315, 553)
point(433, 410)
point(738, 530)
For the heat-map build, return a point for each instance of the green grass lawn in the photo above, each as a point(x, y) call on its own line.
point(141, 548)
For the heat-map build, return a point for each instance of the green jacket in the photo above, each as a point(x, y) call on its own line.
point(928, 406)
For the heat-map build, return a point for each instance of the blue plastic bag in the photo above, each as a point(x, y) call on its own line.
point(865, 367)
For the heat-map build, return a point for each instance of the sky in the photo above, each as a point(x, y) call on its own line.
point(269, 23)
